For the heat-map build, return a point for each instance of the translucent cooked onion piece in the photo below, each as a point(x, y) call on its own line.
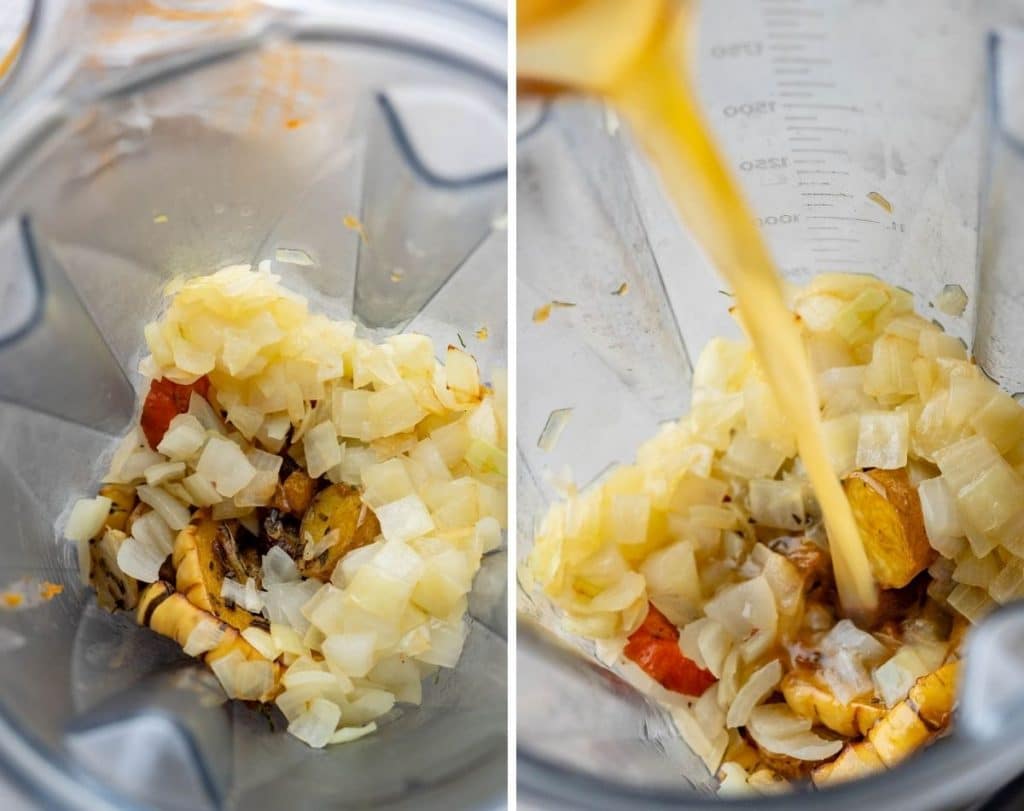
point(207, 634)
point(941, 517)
point(349, 734)
point(184, 438)
point(758, 686)
point(316, 726)
point(778, 504)
point(883, 440)
point(87, 518)
point(172, 511)
point(225, 465)
point(780, 731)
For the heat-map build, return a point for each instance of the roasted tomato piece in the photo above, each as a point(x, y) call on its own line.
point(654, 646)
point(165, 401)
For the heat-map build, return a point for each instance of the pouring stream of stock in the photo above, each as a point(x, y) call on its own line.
point(632, 55)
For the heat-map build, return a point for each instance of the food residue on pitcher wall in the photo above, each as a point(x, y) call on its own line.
point(543, 313)
point(877, 198)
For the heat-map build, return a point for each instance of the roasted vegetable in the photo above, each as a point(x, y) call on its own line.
point(854, 762)
point(810, 698)
point(242, 562)
point(168, 613)
point(200, 570)
point(654, 646)
point(888, 513)
point(900, 732)
point(114, 589)
point(122, 498)
point(165, 401)
point(336, 522)
point(294, 494)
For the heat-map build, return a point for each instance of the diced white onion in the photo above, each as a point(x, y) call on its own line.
point(778, 504)
point(201, 491)
point(883, 440)
point(164, 472)
point(140, 561)
point(87, 518)
point(174, 513)
point(278, 567)
point(351, 653)
point(758, 686)
point(777, 729)
point(184, 438)
point(404, 519)
point(224, 464)
point(207, 634)
point(262, 641)
point(322, 449)
point(349, 734)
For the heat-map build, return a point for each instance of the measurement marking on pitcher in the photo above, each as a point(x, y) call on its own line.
point(826, 194)
point(845, 219)
point(817, 106)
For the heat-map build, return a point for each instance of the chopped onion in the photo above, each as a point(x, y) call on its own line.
point(780, 731)
point(673, 571)
point(322, 449)
point(349, 734)
point(751, 458)
point(972, 602)
point(201, 491)
point(261, 488)
point(404, 519)
point(245, 596)
point(174, 513)
point(394, 410)
point(351, 653)
point(778, 504)
point(202, 411)
point(714, 644)
point(883, 440)
point(732, 781)
point(707, 744)
point(262, 641)
point(164, 472)
point(446, 643)
point(622, 594)
point(224, 464)
point(316, 725)
point(894, 678)
point(278, 567)
point(126, 447)
point(462, 374)
point(976, 571)
point(941, 518)
point(87, 518)
point(758, 686)
point(840, 435)
point(140, 561)
point(135, 466)
point(746, 609)
point(184, 438)
point(207, 634)
point(285, 639)
point(151, 530)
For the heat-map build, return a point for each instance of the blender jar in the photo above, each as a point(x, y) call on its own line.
point(388, 116)
point(864, 137)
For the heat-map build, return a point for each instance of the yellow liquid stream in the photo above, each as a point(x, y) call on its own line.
point(631, 53)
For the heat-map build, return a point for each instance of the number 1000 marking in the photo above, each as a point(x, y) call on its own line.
point(780, 219)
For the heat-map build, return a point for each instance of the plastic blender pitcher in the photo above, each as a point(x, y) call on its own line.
point(877, 137)
point(385, 115)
